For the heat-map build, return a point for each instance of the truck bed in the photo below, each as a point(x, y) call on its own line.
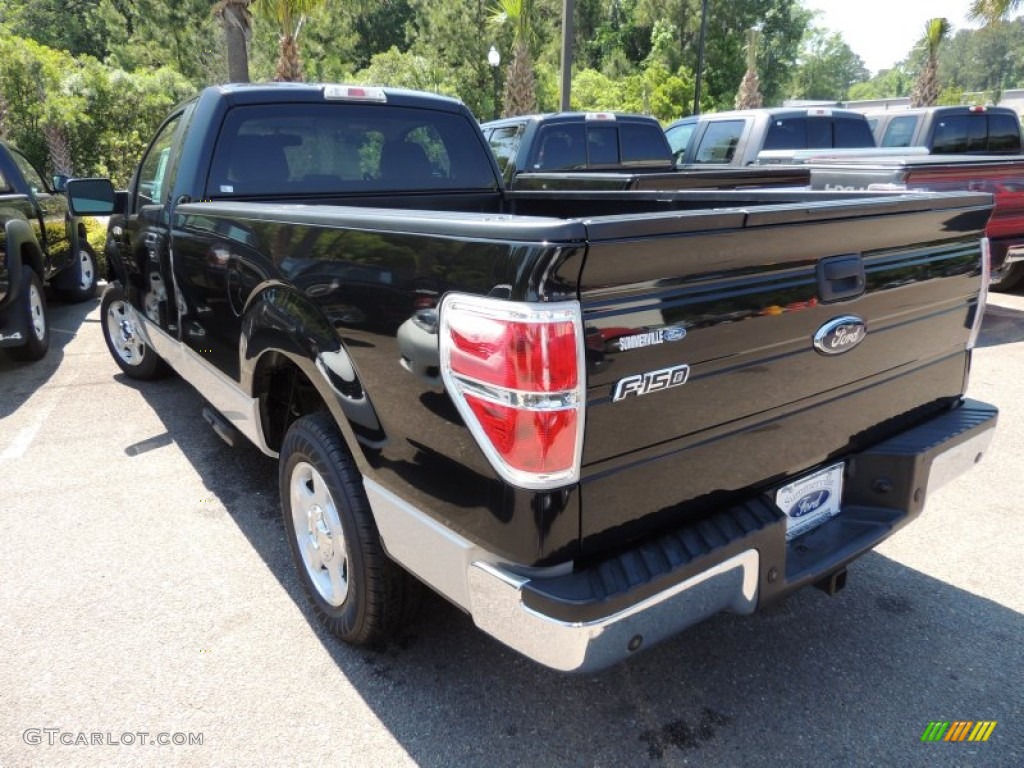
point(737, 271)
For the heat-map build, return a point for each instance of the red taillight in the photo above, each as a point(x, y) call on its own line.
point(533, 357)
point(514, 371)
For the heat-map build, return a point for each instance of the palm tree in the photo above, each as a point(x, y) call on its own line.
point(991, 11)
point(234, 16)
point(926, 88)
point(749, 95)
point(290, 16)
point(520, 88)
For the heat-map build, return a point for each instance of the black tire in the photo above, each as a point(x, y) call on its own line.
point(1007, 278)
point(131, 354)
point(78, 282)
point(31, 305)
point(378, 595)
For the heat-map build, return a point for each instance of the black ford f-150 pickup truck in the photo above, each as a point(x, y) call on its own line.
point(39, 242)
point(588, 419)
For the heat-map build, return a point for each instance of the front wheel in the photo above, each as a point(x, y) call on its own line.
point(32, 307)
point(79, 284)
point(130, 352)
point(357, 592)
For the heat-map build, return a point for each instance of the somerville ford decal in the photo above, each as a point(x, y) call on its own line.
point(840, 335)
point(647, 338)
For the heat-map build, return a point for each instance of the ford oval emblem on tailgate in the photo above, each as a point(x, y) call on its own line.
point(840, 335)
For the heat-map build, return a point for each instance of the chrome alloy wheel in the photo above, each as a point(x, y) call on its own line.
point(122, 334)
point(86, 270)
point(319, 533)
point(36, 312)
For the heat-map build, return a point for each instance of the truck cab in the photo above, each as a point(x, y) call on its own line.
point(736, 138)
point(953, 130)
point(576, 141)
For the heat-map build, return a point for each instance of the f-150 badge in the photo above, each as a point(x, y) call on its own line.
point(642, 384)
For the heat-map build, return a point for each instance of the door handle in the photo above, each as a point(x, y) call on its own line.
point(151, 239)
point(841, 277)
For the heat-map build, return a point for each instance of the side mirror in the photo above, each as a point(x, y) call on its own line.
point(60, 183)
point(91, 197)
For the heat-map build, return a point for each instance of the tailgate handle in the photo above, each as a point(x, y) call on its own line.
point(841, 277)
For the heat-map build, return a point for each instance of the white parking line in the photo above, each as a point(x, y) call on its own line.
point(21, 443)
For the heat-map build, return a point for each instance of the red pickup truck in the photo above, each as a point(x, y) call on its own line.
point(1001, 176)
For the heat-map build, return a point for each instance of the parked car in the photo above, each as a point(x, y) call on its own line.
point(949, 130)
point(736, 138)
point(40, 242)
point(642, 408)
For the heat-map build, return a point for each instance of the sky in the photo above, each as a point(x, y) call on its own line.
point(883, 32)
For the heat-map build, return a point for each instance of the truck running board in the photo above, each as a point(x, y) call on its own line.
point(221, 426)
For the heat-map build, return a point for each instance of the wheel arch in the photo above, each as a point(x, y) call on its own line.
point(295, 364)
point(21, 240)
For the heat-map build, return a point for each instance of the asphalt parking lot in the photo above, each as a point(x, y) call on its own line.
point(146, 588)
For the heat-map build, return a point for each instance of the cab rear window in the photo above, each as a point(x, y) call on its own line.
point(818, 133)
point(340, 148)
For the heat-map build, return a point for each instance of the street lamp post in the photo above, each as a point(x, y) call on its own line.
point(494, 59)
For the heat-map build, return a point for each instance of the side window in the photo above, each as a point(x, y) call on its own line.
point(679, 137)
point(643, 144)
point(900, 131)
point(718, 145)
point(602, 146)
point(504, 144)
point(562, 147)
point(787, 133)
point(1003, 133)
point(851, 133)
point(32, 177)
point(950, 135)
point(153, 179)
point(4, 186)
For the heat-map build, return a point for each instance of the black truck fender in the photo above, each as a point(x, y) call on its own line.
point(283, 332)
point(20, 244)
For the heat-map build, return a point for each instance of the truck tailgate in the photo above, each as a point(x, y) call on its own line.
point(740, 304)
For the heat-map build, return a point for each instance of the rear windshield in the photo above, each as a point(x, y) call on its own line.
point(326, 148)
point(643, 145)
point(818, 133)
point(598, 144)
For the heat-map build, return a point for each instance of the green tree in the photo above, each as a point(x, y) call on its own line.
point(290, 16)
point(68, 25)
point(991, 11)
point(926, 87)
point(749, 94)
point(520, 86)
point(452, 36)
point(149, 34)
point(827, 68)
point(888, 83)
